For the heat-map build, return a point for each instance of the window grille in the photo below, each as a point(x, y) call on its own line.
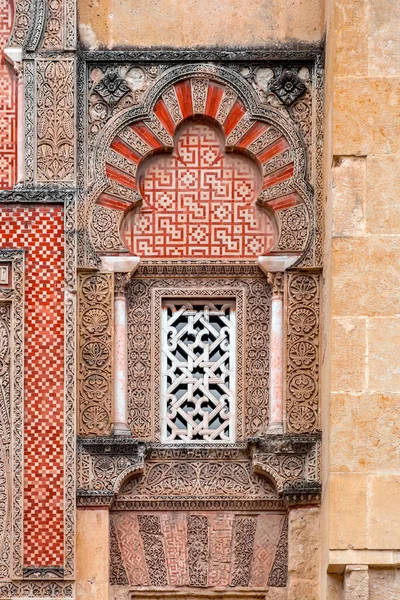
point(198, 370)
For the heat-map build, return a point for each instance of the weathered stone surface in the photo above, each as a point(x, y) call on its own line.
point(383, 37)
point(351, 39)
point(334, 587)
point(384, 512)
point(382, 207)
point(304, 554)
point(366, 116)
point(384, 583)
point(348, 196)
point(348, 345)
point(356, 584)
point(383, 360)
point(92, 556)
point(364, 269)
point(348, 511)
point(365, 429)
point(189, 23)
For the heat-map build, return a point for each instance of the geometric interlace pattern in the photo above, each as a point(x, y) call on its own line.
point(199, 202)
point(198, 370)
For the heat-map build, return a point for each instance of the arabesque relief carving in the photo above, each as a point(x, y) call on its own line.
point(96, 302)
point(302, 400)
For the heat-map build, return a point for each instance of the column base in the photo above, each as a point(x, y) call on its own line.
point(275, 429)
point(121, 430)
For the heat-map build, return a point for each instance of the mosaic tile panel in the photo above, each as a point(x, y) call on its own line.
point(8, 113)
point(199, 202)
point(40, 231)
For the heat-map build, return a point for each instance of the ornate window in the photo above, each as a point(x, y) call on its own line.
point(198, 345)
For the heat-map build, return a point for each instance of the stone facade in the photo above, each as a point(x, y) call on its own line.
point(193, 170)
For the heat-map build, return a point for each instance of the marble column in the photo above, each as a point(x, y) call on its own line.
point(18, 66)
point(276, 354)
point(123, 268)
point(120, 355)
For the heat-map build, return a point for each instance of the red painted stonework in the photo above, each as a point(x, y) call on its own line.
point(199, 202)
point(40, 232)
point(8, 113)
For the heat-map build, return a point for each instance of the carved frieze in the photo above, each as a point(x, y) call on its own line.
point(96, 302)
point(220, 551)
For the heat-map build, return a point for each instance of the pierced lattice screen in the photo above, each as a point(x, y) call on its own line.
point(198, 370)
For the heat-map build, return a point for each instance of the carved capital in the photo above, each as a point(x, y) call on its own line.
point(120, 282)
point(276, 281)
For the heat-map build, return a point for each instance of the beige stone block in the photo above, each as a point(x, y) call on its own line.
point(304, 20)
point(383, 354)
point(365, 276)
point(382, 206)
point(348, 511)
point(366, 116)
point(351, 37)
point(384, 37)
point(348, 196)
point(190, 23)
point(384, 583)
point(304, 589)
point(384, 512)
point(365, 432)
point(334, 587)
point(356, 583)
point(92, 554)
point(348, 354)
point(304, 544)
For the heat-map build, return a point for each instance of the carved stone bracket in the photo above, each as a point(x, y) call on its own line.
point(293, 463)
point(103, 464)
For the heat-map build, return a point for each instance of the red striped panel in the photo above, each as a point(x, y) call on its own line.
point(121, 177)
point(125, 150)
point(277, 147)
point(184, 94)
point(284, 202)
point(254, 132)
point(113, 202)
point(161, 111)
point(236, 113)
point(278, 176)
point(147, 135)
point(214, 96)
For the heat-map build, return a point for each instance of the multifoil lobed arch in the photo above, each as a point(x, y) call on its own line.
point(214, 94)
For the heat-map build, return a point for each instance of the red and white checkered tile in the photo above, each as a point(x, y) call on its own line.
point(40, 232)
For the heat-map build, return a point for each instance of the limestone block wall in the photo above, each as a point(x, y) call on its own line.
point(362, 460)
point(115, 24)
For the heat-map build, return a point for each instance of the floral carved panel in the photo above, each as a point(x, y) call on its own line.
point(95, 353)
point(303, 363)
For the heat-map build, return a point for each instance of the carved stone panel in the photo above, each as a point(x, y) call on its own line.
point(302, 399)
point(96, 302)
point(186, 550)
point(55, 120)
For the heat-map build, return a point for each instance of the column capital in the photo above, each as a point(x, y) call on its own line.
point(276, 281)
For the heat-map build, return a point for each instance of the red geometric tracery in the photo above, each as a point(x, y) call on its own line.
point(199, 202)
